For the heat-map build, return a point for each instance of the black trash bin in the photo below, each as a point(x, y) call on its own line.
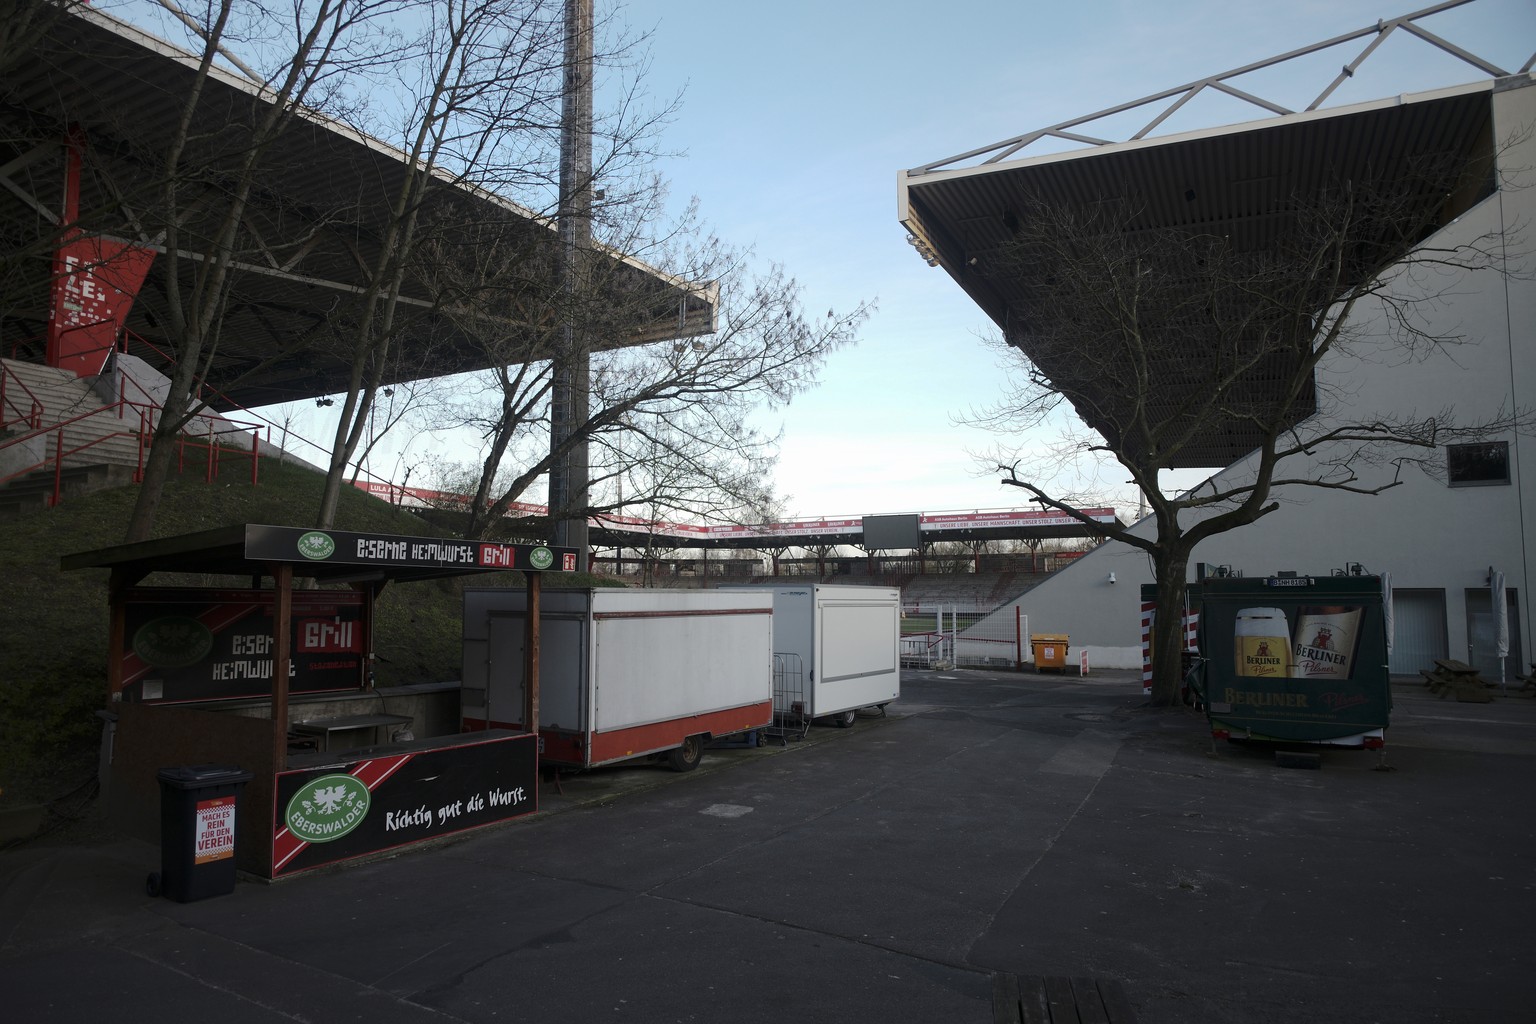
point(198, 810)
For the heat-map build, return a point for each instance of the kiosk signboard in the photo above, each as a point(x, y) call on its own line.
point(339, 547)
point(185, 644)
point(338, 811)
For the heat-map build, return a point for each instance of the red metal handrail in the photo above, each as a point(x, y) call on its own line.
point(171, 360)
point(123, 380)
point(34, 417)
point(146, 413)
point(201, 388)
point(256, 424)
point(41, 431)
point(16, 345)
point(60, 454)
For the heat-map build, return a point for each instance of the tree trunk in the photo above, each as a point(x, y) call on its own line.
point(1171, 564)
point(157, 469)
point(162, 450)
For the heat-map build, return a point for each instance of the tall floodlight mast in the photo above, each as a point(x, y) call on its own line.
point(572, 369)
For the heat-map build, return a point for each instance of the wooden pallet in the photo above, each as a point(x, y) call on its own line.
point(1031, 999)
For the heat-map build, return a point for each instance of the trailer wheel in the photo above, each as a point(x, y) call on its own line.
point(845, 719)
point(686, 756)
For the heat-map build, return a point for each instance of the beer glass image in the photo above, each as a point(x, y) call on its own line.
point(1263, 642)
point(1325, 641)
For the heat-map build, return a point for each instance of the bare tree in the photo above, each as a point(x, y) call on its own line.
point(1161, 339)
point(481, 102)
point(23, 22)
point(469, 90)
point(205, 181)
point(668, 423)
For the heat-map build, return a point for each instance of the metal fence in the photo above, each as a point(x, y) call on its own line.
point(952, 636)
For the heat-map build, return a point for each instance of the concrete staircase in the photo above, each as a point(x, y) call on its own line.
point(31, 492)
point(109, 443)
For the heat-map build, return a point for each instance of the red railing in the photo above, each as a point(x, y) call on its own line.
point(123, 380)
point(33, 415)
point(147, 407)
point(146, 414)
point(203, 390)
point(54, 433)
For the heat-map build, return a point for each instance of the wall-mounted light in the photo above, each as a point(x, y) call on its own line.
point(1110, 578)
point(323, 402)
point(924, 250)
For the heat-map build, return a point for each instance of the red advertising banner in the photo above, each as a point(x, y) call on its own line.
point(96, 282)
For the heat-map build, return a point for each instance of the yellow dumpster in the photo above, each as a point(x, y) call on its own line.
point(1050, 650)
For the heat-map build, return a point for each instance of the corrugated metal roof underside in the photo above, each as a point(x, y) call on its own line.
point(1242, 184)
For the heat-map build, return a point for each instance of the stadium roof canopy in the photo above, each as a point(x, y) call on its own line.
point(314, 222)
point(1238, 181)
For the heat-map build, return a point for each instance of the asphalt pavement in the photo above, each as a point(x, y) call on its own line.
point(990, 824)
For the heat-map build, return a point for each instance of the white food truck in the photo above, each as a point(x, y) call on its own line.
point(622, 673)
point(836, 649)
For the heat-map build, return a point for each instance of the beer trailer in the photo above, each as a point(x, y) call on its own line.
point(1295, 659)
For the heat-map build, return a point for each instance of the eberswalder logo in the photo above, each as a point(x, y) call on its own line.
point(541, 558)
point(173, 641)
point(316, 545)
point(327, 808)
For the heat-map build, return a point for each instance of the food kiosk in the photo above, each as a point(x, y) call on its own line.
point(191, 681)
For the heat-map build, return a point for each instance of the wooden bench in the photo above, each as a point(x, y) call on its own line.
point(1031, 999)
point(1457, 677)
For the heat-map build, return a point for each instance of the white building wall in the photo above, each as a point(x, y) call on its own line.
point(1426, 534)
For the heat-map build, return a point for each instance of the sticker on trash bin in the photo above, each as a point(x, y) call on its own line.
point(214, 834)
point(327, 808)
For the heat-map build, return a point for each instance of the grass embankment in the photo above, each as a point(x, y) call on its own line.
point(54, 654)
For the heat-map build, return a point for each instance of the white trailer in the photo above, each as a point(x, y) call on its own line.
point(836, 650)
point(622, 673)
